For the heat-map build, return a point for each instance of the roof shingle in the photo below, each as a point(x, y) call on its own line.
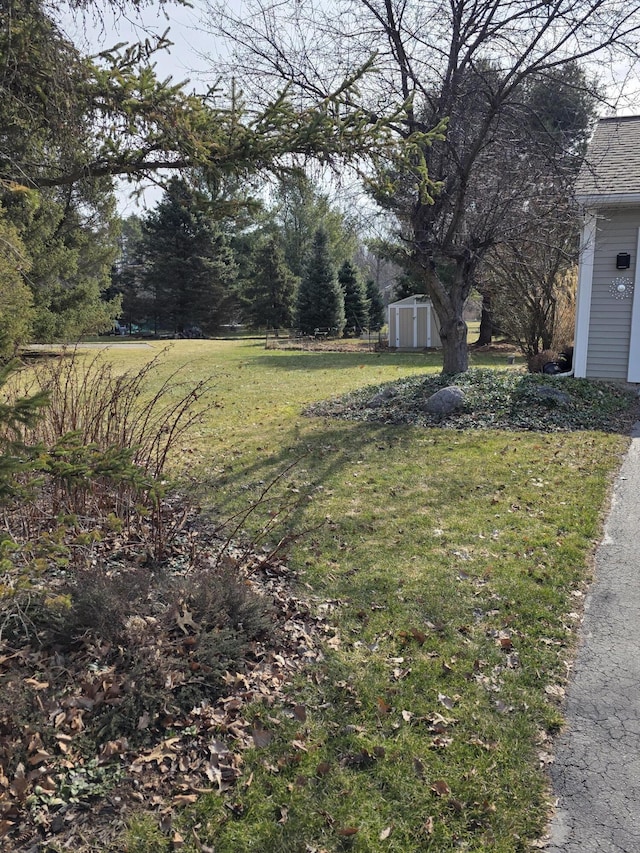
point(612, 165)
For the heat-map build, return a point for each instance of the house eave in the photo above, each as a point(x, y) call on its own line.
point(592, 200)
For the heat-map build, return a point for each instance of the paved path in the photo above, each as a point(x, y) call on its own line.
point(596, 776)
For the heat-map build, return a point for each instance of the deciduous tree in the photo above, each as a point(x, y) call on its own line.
point(462, 73)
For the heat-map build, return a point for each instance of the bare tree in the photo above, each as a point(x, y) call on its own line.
point(461, 68)
point(530, 278)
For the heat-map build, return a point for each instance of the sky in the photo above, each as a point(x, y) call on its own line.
point(188, 58)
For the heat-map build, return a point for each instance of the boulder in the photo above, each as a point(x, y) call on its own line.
point(380, 399)
point(445, 401)
point(552, 396)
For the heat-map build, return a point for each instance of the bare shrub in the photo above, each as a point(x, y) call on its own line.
point(536, 362)
point(104, 438)
point(565, 316)
point(167, 640)
point(110, 409)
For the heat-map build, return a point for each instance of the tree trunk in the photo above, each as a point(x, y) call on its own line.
point(453, 335)
point(486, 323)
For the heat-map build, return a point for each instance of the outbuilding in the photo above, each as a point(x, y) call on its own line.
point(607, 335)
point(413, 324)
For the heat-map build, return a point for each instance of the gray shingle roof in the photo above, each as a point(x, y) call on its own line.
point(613, 159)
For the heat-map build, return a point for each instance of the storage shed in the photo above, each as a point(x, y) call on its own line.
point(413, 324)
point(607, 337)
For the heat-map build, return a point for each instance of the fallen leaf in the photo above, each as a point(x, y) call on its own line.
point(383, 707)
point(37, 685)
point(40, 756)
point(440, 788)
point(19, 783)
point(300, 713)
point(143, 721)
point(185, 799)
point(386, 832)
point(347, 831)
point(261, 736)
point(323, 768)
point(184, 621)
point(448, 701)
point(427, 826)
point(5, 827)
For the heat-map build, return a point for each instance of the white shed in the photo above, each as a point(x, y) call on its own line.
point(413, 324)
point(607, 337)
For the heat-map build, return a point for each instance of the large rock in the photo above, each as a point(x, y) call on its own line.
point(445, 401)
point(551, 396)
point(380, 399)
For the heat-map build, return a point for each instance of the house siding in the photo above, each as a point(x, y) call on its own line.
point(610, 318)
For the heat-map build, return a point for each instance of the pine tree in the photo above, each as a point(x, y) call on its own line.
point(320, 303)
point(270, 293)
point(15, 456)
point(189, 266)
point(355, 299)
point(376, 306)
point(16, 304)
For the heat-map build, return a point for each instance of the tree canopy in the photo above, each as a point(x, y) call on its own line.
point(470, 143)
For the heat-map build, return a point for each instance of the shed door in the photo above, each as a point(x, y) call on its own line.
point(633, 374)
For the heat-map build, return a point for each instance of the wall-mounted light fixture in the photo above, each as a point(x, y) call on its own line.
point(623, 261)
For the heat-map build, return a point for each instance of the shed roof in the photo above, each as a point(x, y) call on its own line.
point(612, 165)
point(417, 299)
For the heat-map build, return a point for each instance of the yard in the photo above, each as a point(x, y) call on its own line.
point(450, 568)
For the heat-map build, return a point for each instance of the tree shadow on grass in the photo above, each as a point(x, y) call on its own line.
point(277, 495)
point(287, 360)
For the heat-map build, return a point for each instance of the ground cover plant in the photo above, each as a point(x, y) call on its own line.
point(434, 601)
point(494, 399)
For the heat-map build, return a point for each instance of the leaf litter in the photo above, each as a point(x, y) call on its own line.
point(64, 779)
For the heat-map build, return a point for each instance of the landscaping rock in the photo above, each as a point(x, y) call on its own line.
point(552, 396)
point(381, 398)
point(445, 401)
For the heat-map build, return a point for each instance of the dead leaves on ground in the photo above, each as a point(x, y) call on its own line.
point(49, 785)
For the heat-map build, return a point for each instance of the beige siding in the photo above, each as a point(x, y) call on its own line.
point(406, 327)
point(610, 321)
point(422, 326)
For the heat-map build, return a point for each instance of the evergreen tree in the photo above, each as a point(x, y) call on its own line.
point(320, 302)
point(355, 299)
point(300, 210)
point(127, 277)
point(70, 237)
point(190, 268)
point(376, 306)
point(15, 456)
point(16, 306)
point(270, 294)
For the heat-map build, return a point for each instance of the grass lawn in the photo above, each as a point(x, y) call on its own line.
point(454, 565)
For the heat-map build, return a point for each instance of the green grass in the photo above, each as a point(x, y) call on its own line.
point(456, 563)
